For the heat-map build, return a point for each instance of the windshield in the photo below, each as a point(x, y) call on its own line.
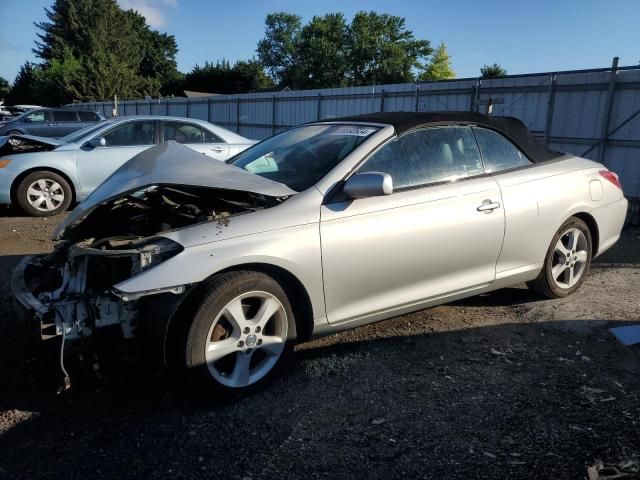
point(300, 157)
point(78, 134)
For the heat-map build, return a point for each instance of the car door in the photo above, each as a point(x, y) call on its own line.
point(37, 123)
point(64, 122)
point(195, 137)
point(122, 142)
point(439, 232)
point(523, 193)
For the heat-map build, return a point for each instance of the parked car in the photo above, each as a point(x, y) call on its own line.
point(44, 176)
point(49, 122)
point(10, 112)
point(221, 268)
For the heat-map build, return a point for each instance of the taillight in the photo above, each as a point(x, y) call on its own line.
point(612, 177)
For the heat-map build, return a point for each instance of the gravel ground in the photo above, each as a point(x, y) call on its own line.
point(504, 385)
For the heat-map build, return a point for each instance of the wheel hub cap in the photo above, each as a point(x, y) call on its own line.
point(251, 340)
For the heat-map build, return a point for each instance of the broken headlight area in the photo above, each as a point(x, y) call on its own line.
point(73, 286)
point(72, 289)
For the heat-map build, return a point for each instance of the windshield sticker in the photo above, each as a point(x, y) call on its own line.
point(354, 131)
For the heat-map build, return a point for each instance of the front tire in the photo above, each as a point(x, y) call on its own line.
point(240, 336)
point(567, 262)
point(43, 194)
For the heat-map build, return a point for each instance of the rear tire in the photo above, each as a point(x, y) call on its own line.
point(567, 262)
point(240, 336)
point(43, 194)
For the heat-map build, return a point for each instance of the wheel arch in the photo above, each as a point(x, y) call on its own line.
point(299, 299)
point(177, 312)
point(16, 181)
point(593, 229)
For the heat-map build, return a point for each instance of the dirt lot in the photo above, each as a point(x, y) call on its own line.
point(505, 385)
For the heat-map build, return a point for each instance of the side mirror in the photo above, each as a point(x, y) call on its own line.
point(97, 142)
point(369, 184)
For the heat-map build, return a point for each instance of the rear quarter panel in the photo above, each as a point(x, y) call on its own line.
point(539, 199)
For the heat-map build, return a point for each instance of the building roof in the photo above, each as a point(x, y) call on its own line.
point(510, 127)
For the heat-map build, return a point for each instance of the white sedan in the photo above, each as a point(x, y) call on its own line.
point(44, 176)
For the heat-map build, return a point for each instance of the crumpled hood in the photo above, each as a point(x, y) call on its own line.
point(171, 164)
point(31, 138)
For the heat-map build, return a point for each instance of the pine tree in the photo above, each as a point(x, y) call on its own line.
point(440, 66)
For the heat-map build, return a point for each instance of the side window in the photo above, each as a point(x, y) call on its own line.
point(131, 134)
point(64, 116)
point(210, 137)
point(438, 154)
point(183, 132)
point(37, 117)
point(498, 152)
point(88, 117)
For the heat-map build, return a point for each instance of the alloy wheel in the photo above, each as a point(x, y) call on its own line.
point(246, 339)
point(569, 258)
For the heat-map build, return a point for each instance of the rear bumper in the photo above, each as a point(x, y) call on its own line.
point(610, 219)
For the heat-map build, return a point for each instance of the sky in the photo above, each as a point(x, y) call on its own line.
point(523, 37)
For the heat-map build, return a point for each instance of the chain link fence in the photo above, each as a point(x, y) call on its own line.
point(593, 113)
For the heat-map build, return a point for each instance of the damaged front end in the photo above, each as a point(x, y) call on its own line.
point(118, 232)
point(70, 292)
point(12, 144)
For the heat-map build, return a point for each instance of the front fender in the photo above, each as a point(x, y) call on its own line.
point(295, 249)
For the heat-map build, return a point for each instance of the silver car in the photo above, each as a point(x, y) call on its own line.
point(44, 176)
point(221, 268)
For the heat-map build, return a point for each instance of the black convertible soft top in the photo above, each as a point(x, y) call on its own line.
point(510, 127)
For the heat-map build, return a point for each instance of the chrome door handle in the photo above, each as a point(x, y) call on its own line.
point(488, 206)
point(217, 149)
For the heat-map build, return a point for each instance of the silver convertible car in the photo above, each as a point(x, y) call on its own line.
point(220, 268)
point(44, 175)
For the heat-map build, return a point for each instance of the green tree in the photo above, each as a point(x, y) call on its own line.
point(157, 53)
point(492, 71)
point(326, 52)
point(249, 76)
point(22, 90)
point(321, 56)
point(4, 88)
point(439, 68)
point(92, 50)
point(244, 76)
point(380, 49)
point(278, 50)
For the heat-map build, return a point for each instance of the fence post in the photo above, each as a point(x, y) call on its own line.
point(273, 114)
point(318, 106)
point(209, 110)
point(382, 94)
point(166, 107)
point(238, 115)
point(606, 121)
point(188, 108)
point(552, 99)
point(417, 98)
point(136, 105)
point(475, 95)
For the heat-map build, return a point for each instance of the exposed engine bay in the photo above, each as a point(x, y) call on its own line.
point(22, 144)
point(71, 289)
